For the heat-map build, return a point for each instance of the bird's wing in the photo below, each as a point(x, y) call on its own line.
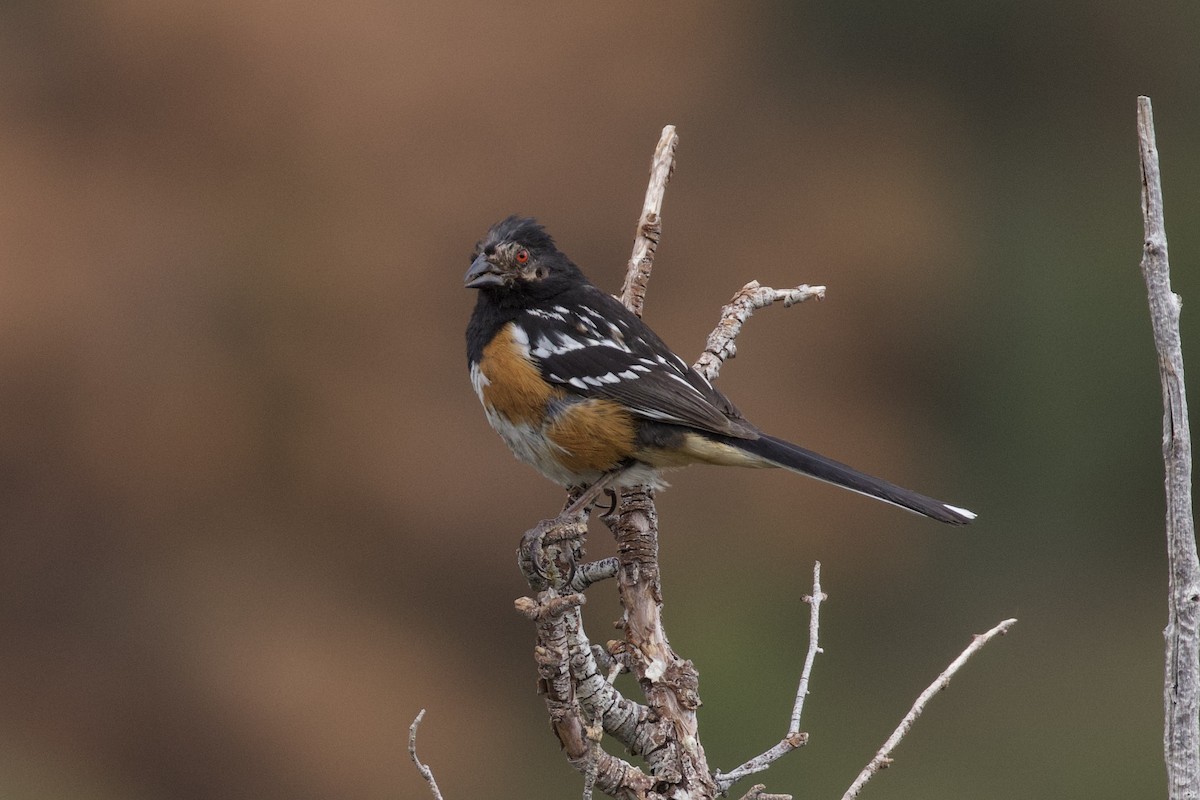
point(591, 345)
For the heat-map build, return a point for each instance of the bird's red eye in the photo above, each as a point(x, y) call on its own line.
point(522, 256)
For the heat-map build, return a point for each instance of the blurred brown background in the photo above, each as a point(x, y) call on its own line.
point(253, 518)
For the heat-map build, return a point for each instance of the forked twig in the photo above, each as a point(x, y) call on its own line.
point(882, 759)
point(794, 738)
point(750, 298)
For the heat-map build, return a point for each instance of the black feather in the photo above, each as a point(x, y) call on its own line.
point(606, 339)
point(806, 462)
point(525, 231)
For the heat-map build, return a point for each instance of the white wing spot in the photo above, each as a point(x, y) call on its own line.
point(651, 413)
point(566, 344)
point(544, 347)
point(684, 381)
point(615, 344)
point(628, 375)
point(577, 383)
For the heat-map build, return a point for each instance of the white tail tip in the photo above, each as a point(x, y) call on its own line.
point(962, 512)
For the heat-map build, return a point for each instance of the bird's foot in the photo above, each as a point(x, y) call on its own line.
point(550, 550)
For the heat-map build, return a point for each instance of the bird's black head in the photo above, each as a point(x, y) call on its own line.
point(516, 259)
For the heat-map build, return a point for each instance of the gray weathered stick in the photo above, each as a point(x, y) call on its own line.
point(425, 771)
point(721, 345)
point(1181, 693)
point(645, 241)
point(676, 757)
point(794, 738)
point(883, 757)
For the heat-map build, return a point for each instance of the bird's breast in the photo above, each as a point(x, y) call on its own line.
point(569, 438)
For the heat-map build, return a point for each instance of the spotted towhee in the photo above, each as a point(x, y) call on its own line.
point(582, 389)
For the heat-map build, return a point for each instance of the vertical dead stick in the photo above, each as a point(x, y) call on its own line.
point(1181, 693)
point(883, 757)
point(633, 291)
point(814, 601)
point(425, 771)
point(674, 753)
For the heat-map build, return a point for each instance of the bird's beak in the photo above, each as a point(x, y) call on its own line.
point(482, 273)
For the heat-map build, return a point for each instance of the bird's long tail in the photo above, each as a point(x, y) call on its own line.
point(806, 462)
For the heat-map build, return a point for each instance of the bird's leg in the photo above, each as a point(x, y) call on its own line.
point(589, 496)
point(549, 550)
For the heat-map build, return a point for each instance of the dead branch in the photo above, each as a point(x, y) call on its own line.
point(1181, 693)
point(746, 301)
point(758, 792)
point(649, 229)
point(669, 682)
point(793, 738)
point(579, 699)
point(883, 757)
point(425, 771)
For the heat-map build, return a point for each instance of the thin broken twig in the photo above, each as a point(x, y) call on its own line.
point(425, 771)
point(750, 298)
point(649, 229)
point(883, 757)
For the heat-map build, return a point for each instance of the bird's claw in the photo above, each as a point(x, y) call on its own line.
point(609, 515)
point(549, 551)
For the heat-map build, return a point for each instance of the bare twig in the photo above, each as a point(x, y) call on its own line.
point(425, 771)
point(758, 792)
point(814, 626)
point(633, 291)
point(883, 757)
point(593, 571)
point(1181, 694)
point(794, 738)
point(745, 302)
point(594, 733)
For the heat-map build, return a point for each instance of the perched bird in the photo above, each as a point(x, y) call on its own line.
point(579, 386)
